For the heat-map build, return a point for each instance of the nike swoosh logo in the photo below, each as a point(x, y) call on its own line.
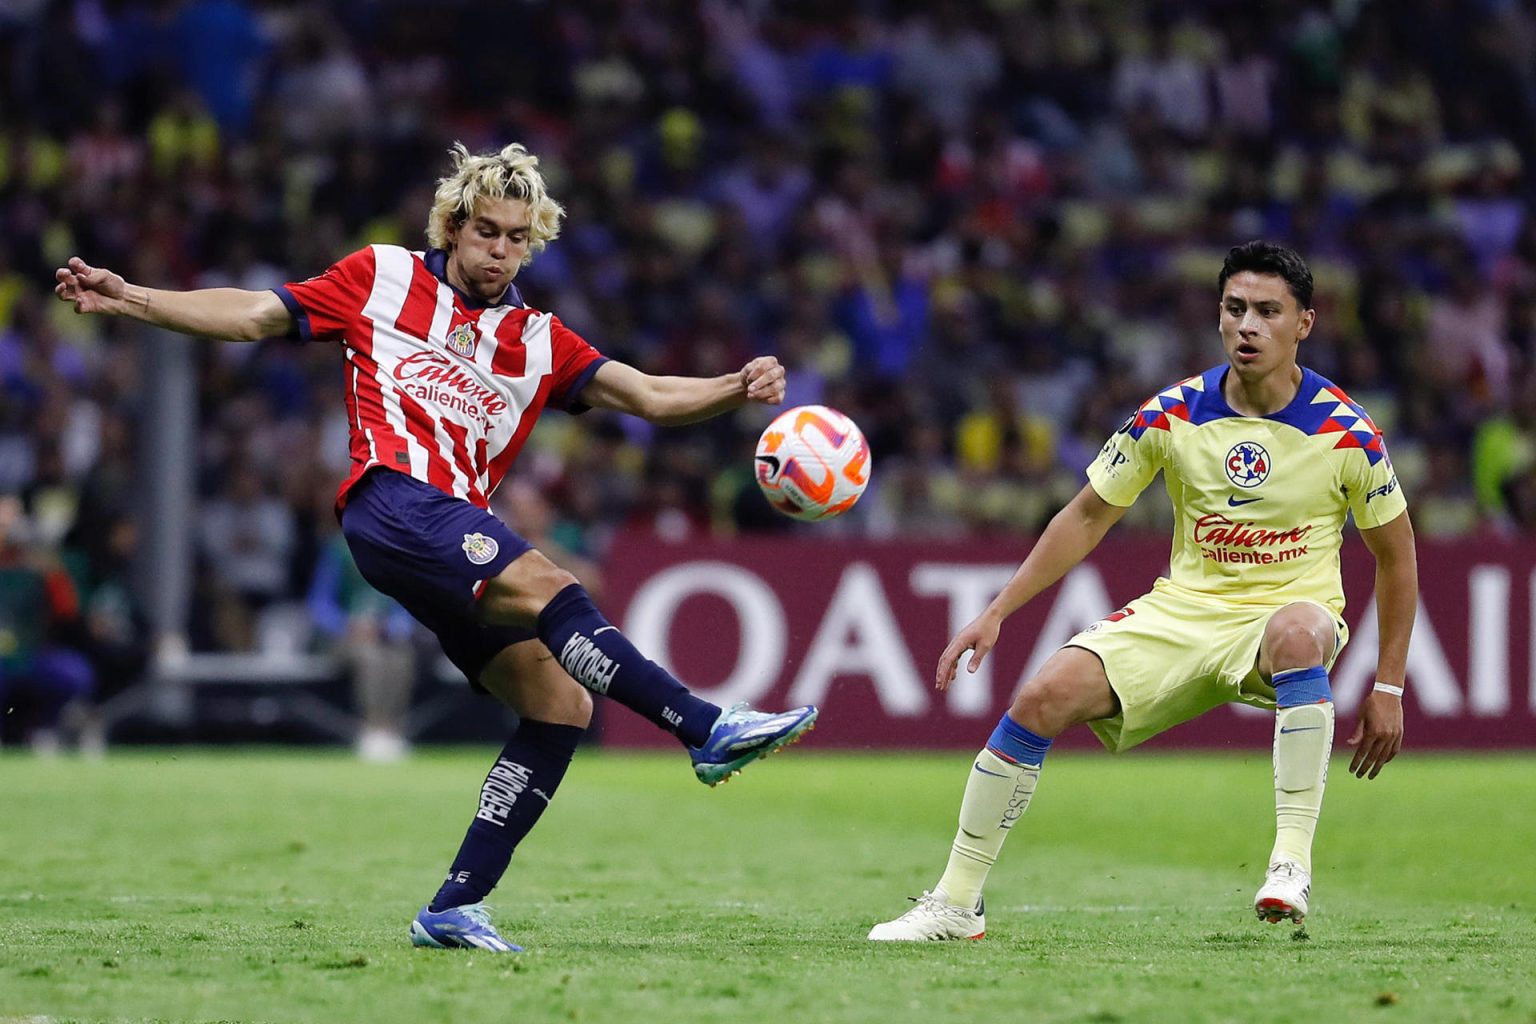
point(995, 775)
point(1299, 728)
point(1240, 502)
point(604, 630)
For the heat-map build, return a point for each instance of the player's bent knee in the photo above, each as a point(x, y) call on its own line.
point(499, 606)
point(1070, 688)
point(1048, 706)
point(1298, 637)
point(554, 581)
point(518, 595)
point(1036, 710)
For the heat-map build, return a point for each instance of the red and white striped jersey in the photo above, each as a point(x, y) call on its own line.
point(438, 386)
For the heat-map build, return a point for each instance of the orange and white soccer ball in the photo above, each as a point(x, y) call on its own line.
point(812, 462)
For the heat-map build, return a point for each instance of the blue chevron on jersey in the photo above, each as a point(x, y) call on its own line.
point(1350, 422)
point(1321, 407)
point(1171, 403)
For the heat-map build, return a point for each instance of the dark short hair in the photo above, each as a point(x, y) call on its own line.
point(1262, 257)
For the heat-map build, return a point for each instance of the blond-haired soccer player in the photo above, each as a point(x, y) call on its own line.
point(1263, 460)
point(446, 371)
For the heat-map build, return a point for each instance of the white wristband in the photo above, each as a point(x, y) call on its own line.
point(1396, 691)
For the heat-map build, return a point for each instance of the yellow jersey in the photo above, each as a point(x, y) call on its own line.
point(1259, 502)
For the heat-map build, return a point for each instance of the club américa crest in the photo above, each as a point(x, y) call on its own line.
point(463, 339)
point(1247, 464)
point(479, 548)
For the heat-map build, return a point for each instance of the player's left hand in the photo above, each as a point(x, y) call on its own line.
point(1378, 735)
point(763, 379)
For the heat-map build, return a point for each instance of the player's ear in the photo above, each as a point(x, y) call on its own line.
point(1304, 323)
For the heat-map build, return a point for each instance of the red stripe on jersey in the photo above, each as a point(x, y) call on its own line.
point(415, 316)
point(357, 446)
point(423, 428)
point(371, 416)
point(365, 410)
point(481, 447)
point(360, 337)
point(366, 404)
point(503, 461)
point(459, 434)
point(570, 354)
point(332, 300)
point(511, 359)
point(362, 349)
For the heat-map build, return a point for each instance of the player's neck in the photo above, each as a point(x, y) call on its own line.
point(1262, 396)
point(455, 277)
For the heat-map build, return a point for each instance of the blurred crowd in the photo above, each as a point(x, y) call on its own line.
point(987, 230)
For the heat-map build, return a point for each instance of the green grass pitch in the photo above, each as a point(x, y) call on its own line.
point(182, 885)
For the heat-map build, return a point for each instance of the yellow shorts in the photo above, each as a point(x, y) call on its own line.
point(1170, 658)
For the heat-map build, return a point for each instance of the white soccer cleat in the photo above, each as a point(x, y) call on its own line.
point(380, 746)
point(934, 919)
point(1283, 894)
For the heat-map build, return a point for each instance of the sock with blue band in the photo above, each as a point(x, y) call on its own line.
point(520, 785)
point(1297, 686)
point(1012, 742)
point(998, 791)
point(603, 660)
point(1304, 722)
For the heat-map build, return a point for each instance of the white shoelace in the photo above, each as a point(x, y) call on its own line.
point(480, 913)
point(930, 904)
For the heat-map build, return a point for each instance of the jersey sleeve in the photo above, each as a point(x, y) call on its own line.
point(574, 361)
point(323, 307)
point(1129, 461)
point(1375, 499)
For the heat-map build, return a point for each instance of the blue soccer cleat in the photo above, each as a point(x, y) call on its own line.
point(742, 735)
point(466, 927)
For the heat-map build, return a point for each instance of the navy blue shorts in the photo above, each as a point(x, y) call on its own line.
point(433, 553)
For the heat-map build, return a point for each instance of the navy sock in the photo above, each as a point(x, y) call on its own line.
point(518, 788)
point(603, 660)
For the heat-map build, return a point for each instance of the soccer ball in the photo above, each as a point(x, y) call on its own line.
point(812, 462)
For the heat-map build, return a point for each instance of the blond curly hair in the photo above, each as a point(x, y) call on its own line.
point(511, 173)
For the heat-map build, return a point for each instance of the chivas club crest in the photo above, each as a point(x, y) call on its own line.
point(479, 548)
point(463, 339)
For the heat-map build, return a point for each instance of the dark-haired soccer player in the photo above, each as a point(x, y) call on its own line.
point(447, 370)
point(1263, 460)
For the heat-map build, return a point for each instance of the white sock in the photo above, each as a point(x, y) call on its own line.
point(1303, 741)
point(996, 796)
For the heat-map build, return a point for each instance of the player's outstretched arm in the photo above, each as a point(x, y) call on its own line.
point(1071, 534)
point(1378, 736)
point(671, 401)
point(232, 314)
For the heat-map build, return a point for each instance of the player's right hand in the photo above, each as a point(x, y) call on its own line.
point(91, 289)
point(979, 637)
